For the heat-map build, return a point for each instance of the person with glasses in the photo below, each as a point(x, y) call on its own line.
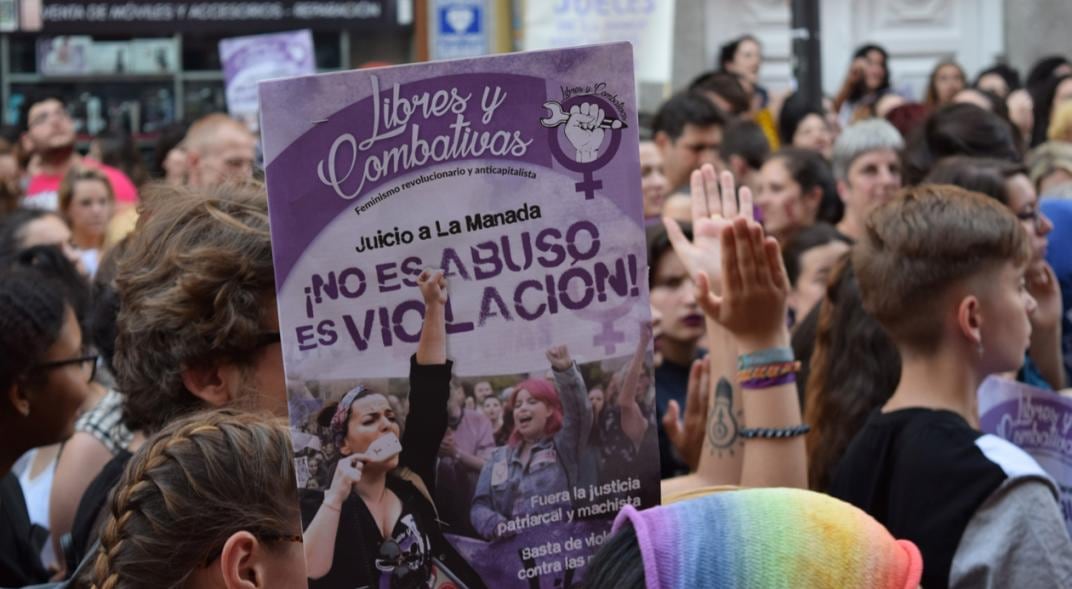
point(99, 433)
point(376, 524)
point(36, 468)
point(197, 325)
point(687, 129)
point(209, 501)
point(44, 378)
point(48, 134)
point(1008, 183)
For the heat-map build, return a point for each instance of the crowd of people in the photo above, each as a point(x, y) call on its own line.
point(907, 229)
point(830, 284)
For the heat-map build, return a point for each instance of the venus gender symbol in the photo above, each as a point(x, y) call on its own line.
point(586, 121)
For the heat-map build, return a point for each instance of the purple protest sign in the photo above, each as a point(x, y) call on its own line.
point(249, 60)
point(1038, 422)
point(518, 177)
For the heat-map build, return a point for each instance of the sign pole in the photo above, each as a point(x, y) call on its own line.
point(807, 57)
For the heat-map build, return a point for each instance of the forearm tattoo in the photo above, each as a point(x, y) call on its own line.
point(722, 426)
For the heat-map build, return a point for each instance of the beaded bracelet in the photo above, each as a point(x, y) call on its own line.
point(768, 371)
point(768, 356)
point(766, 383)
point(775, 433)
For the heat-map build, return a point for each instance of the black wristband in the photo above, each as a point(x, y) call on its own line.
point(775, 433)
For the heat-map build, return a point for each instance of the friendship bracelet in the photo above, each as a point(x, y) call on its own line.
point(768, 371)
point(775, 433)
point(768, 356)
point(766, 383)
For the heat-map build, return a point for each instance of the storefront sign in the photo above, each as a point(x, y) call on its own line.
point(147, 16)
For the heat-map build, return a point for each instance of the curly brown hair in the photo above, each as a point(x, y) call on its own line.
point(188, 489)
point(195, 289)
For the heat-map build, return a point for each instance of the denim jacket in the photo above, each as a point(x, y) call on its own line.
point(554, 464)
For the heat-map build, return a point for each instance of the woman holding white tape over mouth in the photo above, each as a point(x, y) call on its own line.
point(376, 524)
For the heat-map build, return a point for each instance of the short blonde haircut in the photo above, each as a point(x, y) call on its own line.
point(1047, 159)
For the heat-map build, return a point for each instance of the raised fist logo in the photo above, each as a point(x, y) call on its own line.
point(584, 131)
point(586, 126)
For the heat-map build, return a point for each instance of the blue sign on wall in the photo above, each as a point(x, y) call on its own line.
point(461, 29)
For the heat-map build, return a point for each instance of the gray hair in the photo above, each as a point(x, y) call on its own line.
point(863, 137)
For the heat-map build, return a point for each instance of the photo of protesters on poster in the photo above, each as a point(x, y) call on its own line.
point(462, 287)
point(380, 480)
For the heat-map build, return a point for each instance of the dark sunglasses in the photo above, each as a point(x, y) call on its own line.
point(406, 567)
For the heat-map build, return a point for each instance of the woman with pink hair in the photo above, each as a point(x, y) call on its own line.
point(545, 451)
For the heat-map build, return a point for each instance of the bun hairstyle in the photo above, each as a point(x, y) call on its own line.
point(195, 287)
point(188, 489)
point(958, 129)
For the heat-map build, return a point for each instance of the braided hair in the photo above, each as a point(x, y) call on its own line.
point(188, 489)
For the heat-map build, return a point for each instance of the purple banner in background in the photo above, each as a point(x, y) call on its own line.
point(1038, 422)
point(518, 177)
point(249, 60)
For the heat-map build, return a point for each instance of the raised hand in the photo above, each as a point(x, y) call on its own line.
point(433, 285)
point(687, 435)
point(753, 302)
point(631, 388)
point(559, 358)
point(714, 207)
point(1042, 285)
point(584, 130)
point(856, 70)
point(447, 447)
